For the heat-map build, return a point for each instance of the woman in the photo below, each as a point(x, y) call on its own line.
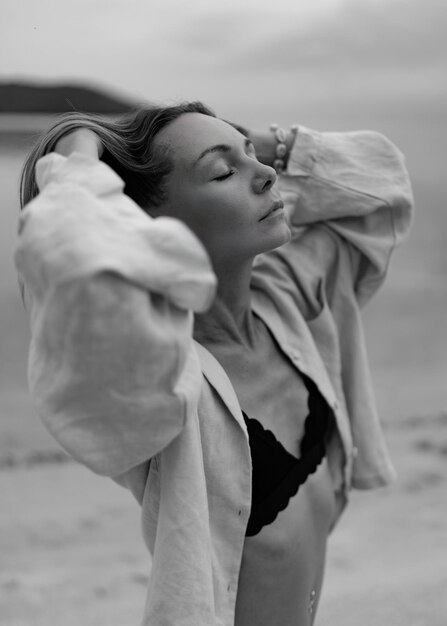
point(241, 429)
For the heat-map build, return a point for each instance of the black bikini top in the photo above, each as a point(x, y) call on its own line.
point(277, 474)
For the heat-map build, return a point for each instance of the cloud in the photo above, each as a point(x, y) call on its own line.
point(397, 35)
point(57, 35)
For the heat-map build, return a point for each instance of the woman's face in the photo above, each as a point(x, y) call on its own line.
point(220, 190)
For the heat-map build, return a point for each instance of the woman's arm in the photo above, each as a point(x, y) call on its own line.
point(265, 144)
point(110, 293)
point(347, 195)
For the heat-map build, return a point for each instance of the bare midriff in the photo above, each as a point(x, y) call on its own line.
point(283, 565)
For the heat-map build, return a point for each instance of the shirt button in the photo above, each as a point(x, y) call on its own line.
point(239, 512)
point(335, 405)
point(229, 587)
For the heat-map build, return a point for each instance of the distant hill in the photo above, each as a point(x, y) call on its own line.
point(24, 98)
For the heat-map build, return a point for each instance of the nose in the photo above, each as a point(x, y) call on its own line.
point(264, 178)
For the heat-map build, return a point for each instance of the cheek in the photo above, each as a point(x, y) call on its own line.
point(213, 214)
point(219, 217)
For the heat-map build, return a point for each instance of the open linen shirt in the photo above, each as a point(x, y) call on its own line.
point(120, 383)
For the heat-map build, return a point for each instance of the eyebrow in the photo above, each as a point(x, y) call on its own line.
point(220, 147)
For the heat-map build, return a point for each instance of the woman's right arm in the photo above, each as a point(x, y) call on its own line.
point(110, 293)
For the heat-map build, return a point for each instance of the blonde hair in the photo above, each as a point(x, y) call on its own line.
point(128, 148)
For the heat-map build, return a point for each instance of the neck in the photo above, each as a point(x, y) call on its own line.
point(229, 319)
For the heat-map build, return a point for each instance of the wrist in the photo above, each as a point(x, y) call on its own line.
point(81, 140)
point(266, 143)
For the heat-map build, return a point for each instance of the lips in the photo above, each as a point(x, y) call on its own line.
point(276, 206)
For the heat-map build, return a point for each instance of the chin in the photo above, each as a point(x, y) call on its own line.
point(280, 236)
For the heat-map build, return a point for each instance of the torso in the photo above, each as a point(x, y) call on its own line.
point(283, 564)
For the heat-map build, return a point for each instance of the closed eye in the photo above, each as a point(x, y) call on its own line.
point(224, 176)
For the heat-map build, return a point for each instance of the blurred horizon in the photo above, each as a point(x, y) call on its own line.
point(313, 51)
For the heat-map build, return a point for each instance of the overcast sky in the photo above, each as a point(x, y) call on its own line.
point(249, 52)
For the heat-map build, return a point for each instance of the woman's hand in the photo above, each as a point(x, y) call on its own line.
point(81, 140)
point(265, 144)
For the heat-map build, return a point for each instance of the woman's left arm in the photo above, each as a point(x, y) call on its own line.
point(355, 186)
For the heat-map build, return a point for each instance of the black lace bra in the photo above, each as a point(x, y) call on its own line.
point(277, 474)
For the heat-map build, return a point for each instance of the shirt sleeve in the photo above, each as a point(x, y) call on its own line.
point(111, 294)
point(346, 194)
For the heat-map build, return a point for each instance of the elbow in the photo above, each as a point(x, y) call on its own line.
point(111, 441)
point(397, 188)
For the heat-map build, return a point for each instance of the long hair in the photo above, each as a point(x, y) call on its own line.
point(129, 149)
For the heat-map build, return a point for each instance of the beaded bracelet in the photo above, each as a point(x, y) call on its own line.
point(281, 150)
